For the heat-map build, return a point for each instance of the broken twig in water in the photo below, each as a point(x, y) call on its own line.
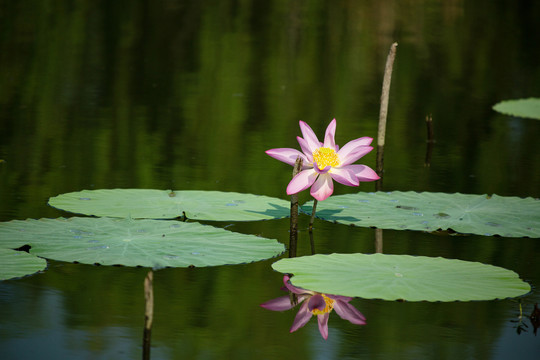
point(383, 113)
point(148, 313)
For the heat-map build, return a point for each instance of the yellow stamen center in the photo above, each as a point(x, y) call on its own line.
point(329, 306)
point(324, 156)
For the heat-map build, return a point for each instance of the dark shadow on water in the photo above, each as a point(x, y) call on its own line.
point(332, 215)
point(277, 212)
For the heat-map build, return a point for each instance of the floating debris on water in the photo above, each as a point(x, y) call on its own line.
point(441, 215)
point(404, 207)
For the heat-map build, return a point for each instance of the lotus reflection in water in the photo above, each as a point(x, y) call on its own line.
point(315, 303)
point(325, 161)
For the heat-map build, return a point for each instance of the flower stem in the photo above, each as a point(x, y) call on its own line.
point(294, 213)
point(312, 242)
point(312, 215)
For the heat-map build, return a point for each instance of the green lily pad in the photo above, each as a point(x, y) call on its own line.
point(161, 204)
point(19, 263)
point(402, 277)
point(526, 108)
point(148, 243)
point(462, 213)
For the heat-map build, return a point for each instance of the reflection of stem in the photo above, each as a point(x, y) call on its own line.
point(293, 298)
point(429, 126)
point(383, 112)
point(148, 314)
point(378, 241)
point(312, 215)
point(294, 213)
point(430, 140)
point(535, 318)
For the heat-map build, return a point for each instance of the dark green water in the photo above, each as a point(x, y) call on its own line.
point(189, 94)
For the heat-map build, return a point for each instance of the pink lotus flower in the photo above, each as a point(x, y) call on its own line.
point(315, 304)
point(325, 161)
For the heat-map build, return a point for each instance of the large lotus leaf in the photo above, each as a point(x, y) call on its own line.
point(402, 277)
point(19, 263)
point(161, 204)
point(149, 243)
point(527, 108)
point(462, 213)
